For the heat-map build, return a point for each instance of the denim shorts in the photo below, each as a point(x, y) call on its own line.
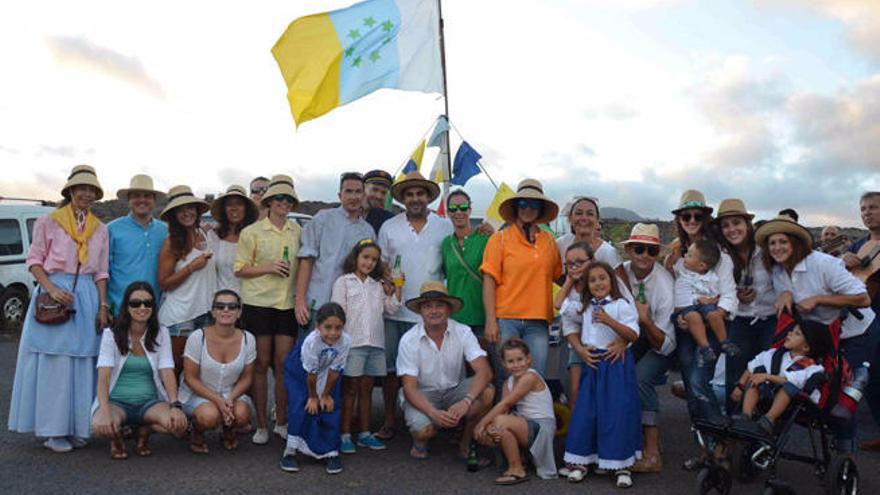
point(534, 428)
point(703, 309)
point(134, 413)
point(365, 361)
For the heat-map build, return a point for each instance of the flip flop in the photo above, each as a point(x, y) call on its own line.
point(117, 449)
point(198, 446)
point(385, 433)
point(230, 442)
point(511, 479)
point(418, 453)
point(142, 447)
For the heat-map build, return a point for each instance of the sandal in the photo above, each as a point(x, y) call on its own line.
point(648, 464)
point(385, 433)
point(230, 441)
point(142, 447)
point(418, 453)
point(577, 473)
point(624, 478)
point(511, 479)
point(117, 448)
point(197, 444)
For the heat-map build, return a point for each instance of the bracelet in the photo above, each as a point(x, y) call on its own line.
point(741, 387)
point(469, 399)
point(177, 405)
point(105, 305)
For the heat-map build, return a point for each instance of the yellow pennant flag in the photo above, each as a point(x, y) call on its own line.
point(415, 160)
point(492, 215)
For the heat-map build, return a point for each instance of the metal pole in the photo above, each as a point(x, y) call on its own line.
point(448, 174)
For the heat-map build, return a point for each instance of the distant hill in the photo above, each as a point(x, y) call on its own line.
point(619, 214)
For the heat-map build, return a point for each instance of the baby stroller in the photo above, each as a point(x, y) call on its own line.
point(752, 452)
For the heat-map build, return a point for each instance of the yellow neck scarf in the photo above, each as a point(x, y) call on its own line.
point(66, 219)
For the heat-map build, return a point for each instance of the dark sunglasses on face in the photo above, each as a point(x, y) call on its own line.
point(140, 303)
point(283, 197)
point(462, 208)
point(259, 190)
point(226, 306)
point(534, 204)
point(641, 248)
point(686, 217)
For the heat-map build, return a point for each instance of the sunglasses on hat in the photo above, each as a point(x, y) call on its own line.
point(259, 190)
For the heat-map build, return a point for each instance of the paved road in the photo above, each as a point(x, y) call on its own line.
point(26, 467)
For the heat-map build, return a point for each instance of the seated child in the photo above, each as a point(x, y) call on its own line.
point(805, 345)
point(697, 291)
point(523, 418)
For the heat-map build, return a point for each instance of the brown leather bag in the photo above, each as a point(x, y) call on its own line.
point(51, 312)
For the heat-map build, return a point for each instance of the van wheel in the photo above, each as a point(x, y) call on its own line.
point(13, 307)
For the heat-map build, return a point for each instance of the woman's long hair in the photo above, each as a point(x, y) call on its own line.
point(122, 325)
point(224, 227)
point(739, 266)
point(706, 228)
point(178, 235)
point(799, 252)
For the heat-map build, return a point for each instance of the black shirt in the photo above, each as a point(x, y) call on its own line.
point(377, 216)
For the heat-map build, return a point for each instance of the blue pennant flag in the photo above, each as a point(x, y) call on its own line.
point(465, 165)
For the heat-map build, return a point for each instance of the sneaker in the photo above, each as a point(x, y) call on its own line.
point(334, 465)
point(369, 441)
point(261, 436)
point(288, 463)
point(347, 446)
point(624, 478)
point(705, 355)
point(58, 444)
point(729, 348)
point(281, 431)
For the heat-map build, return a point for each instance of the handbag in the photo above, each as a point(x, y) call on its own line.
point(51, 312)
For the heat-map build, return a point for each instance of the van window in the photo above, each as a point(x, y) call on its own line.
point(10, 238)
point(30, 228)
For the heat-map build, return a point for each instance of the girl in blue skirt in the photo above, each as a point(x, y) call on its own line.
point(311, 376)
point(605, 427)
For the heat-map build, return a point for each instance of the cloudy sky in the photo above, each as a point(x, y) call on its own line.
point(633, 101)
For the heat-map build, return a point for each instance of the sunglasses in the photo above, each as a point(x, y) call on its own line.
point(259, 190)
point(140, 303)
point(576, 263)
point(226, 306)
point(697, 217)
point(534, 204)
point(283, 198)
point(462, 208)
point(641, 248)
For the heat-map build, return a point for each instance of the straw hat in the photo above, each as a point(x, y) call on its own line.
point(414, 179)
point(644, 233)
point(281, 184)
point(732, 207)
point(140, 182)
point(528, 189)
point(179, 196)
point(432, 291)
point(783, 225)
point(379, 177)
point(82, 175)
point(692, 199)
point(234, 190)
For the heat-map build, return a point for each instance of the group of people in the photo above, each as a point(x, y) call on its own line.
point(184, 322)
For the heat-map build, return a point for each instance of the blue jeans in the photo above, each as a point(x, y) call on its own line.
point(651, 373)
point(751, 340)
point(858, 350)
point(701, 399)
point(534, 333)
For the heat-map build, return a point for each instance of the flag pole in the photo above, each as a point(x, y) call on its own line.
point(448, 175)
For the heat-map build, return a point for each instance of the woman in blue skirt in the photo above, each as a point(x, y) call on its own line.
point(311, 376)
point(55, 371)
point(605, 427)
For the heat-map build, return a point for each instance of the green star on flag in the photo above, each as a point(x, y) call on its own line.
point(369, 22)
point(357, 62)
point(349, 51)
point(354, 34)
point(374, 56)
point(387, 26)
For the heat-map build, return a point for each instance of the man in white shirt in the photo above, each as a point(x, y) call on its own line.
point(436, 393)
point(414, 237)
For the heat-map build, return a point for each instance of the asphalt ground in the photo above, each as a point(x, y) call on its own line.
point(27, 467)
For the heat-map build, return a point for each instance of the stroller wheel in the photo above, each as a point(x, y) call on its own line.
point(714, 479)
point(741, 461)
point(842, 477)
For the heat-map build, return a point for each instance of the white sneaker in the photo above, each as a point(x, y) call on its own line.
point(261, 436)
point(58, 444)
point(281, 431)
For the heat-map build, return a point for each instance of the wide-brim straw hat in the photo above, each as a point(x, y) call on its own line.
point(142, 183)
point(732, 207)
point(234, 190)
point(280, 184)
point(82, 175)
point(644, 233)
point(783, 225)
point(529, 189)
point(692, 199)
point(414, 179)
point(180, 196)
point(434, 291)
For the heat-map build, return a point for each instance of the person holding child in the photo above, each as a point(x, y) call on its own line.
point(523, 418)
point(605, 426)
point(311, 376)
point(363, 293)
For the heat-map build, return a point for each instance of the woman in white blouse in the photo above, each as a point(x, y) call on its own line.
point(233, 211)
point(217, 371)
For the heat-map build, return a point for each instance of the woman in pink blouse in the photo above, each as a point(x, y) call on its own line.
point(55, 371)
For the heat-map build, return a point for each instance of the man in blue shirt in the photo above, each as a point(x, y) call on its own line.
point(135, 240)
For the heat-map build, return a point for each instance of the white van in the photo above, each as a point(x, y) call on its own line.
point(16, 282)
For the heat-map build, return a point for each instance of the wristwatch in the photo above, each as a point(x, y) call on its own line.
point(177, 404)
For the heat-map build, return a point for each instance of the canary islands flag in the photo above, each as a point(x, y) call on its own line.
point(334, 58)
